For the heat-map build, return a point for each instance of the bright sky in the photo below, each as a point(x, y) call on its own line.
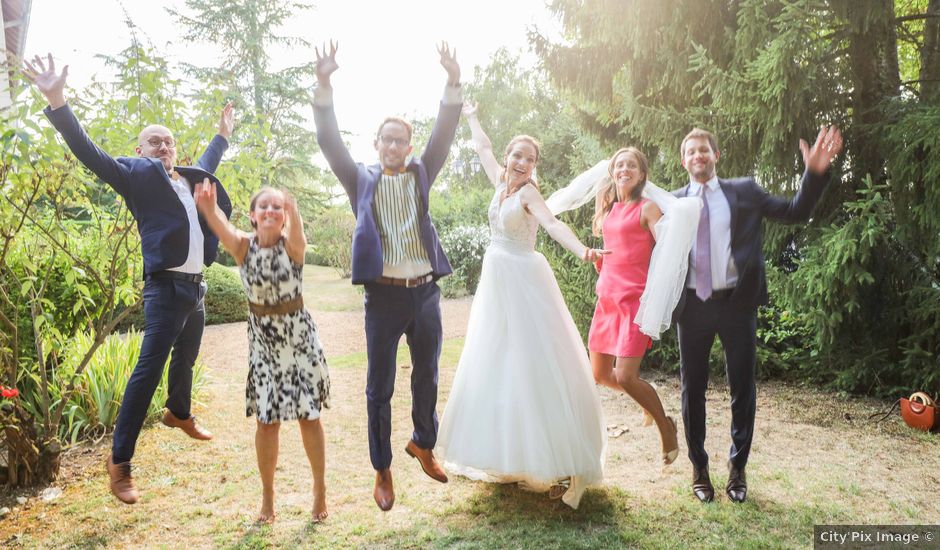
point(379, 41)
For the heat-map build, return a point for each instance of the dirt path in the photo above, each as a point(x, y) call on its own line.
point(340, 332)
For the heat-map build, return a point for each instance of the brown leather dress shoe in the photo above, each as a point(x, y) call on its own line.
point(702, 486)
point(384, 492)
point(189, 426)
point(122, 484)
point(737, 484)
point(429, 464)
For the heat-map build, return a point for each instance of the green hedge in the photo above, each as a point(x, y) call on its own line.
point(225, 298)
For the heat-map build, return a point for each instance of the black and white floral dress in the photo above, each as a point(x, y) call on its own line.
point(287, 372)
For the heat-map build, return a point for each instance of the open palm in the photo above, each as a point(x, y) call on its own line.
point(46, 80)
point(326, 62)
point(449, 62)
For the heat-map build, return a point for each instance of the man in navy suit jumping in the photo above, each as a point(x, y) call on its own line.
point(175, 244)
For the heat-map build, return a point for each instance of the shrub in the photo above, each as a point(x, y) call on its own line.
point(459, 206)
point(224, 258)
point(225, 297)
point(331, 238)
point(93, 408)
point(464, 246)
point(311, 257)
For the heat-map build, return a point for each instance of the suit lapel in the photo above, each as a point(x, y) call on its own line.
point(732, 198)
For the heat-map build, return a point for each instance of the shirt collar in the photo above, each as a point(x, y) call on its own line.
point(695, 187)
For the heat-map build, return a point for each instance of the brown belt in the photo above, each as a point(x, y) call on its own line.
point(407, 283)
point(280, 308)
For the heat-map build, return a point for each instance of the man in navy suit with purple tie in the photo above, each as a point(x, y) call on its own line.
point(725, 286)
point(176, 243)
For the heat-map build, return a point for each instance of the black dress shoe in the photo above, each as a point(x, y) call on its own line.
point(702, 484)
point(737, 484)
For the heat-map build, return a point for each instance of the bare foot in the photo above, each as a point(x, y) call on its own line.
point(266, 515)
point(670, 443)
point(320, 512)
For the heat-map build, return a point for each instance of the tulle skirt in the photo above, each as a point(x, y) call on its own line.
point(523, 406)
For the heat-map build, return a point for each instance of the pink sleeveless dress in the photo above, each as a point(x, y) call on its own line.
point(621, 283)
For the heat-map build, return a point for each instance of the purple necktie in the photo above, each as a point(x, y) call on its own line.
point(703, 261)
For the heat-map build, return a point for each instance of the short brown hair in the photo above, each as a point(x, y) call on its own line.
point(698, 133)
point(399, 120)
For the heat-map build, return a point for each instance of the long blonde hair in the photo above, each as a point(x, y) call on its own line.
point(607, 195)
point(538, 154)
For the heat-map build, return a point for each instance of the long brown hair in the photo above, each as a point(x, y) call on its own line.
point(257, 195)
point(607, 195)
point(512, 143)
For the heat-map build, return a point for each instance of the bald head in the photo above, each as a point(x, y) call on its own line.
point(157, 141)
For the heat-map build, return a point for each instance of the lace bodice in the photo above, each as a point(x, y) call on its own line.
point(510, 224)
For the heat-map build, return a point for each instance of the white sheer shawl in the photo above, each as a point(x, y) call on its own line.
point(675, 233)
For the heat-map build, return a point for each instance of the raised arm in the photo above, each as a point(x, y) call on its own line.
point(209, 161)
point(482, 144)
point(535, 204)
point(817, 160)
point(52, 85)
point(328, 136)
point(295, 241)
point(234, 241)
point(448, 117)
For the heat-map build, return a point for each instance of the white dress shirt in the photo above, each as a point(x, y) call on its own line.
point(724, 273)
point(194, 258)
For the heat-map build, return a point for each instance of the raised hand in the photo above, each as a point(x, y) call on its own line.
point(326, 63)
point(449, 62)
point(46, 80)
point(227, 121)
point(469, 109)
point(290, 208)
point(205, 196)
point(828, 145)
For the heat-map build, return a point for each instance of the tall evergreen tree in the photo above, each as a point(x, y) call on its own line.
point(762, 74)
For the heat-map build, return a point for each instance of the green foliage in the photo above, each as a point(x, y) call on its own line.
point(841, 286)
point(576, 278)
point(92, 409)
point(762, 74)
point(225, 296)
point(464, 246)
point(272, 134)
point(330, 236)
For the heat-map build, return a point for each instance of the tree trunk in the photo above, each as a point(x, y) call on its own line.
point(873, 60)
point(930, 56)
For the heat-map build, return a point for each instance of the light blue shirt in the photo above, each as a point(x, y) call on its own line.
point(724, 273)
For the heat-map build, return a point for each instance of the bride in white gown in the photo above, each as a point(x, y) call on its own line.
point(523, 406)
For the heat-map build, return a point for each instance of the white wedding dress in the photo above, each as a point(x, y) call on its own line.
point(523, 406)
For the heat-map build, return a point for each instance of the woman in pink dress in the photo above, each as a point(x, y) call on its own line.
point(628, 225)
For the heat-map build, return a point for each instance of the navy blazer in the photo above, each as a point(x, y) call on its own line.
point(360, 182)
point(750, 204)
point(145, 186)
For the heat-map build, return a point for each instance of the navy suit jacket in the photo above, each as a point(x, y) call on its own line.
point(360, 182)
point(750, 204)
point(145, 186)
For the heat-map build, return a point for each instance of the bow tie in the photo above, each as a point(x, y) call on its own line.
point(389, 172)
